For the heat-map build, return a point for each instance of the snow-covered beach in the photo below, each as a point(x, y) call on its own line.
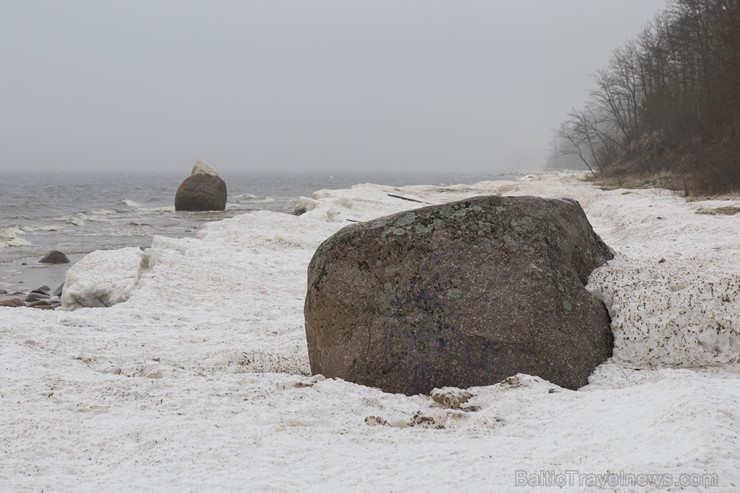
point(198, 378)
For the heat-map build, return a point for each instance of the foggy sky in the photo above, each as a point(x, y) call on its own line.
point(371, 85)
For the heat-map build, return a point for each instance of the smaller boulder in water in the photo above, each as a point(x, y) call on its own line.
point(54, 257)
point(203, 190)
point(12, 302)
point(42, 305)
point(35, 296)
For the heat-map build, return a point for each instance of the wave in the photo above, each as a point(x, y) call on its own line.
point(9, 236)
point(158, 210)
point(80, 218)
point(248, 198)
point(140, 209)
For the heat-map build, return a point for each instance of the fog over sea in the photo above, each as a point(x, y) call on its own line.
point(77, 213)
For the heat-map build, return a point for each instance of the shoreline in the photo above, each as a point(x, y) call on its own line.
point(200, 380)
point(118, 210)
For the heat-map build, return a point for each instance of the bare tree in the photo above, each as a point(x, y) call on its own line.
point(675, 91)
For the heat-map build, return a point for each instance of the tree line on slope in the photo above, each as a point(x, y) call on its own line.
point(668, 103)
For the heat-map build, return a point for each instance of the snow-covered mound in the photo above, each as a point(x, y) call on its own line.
point(200, 379)
point(677, 311)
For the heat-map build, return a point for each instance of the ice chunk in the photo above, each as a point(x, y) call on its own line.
point(102, 278)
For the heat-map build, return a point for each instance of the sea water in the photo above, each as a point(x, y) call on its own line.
point(77, 213)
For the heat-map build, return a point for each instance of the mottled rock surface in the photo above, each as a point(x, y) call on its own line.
point(460, 294)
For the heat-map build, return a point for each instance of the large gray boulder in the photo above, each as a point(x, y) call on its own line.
point(203, 190)
point(462, 294)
